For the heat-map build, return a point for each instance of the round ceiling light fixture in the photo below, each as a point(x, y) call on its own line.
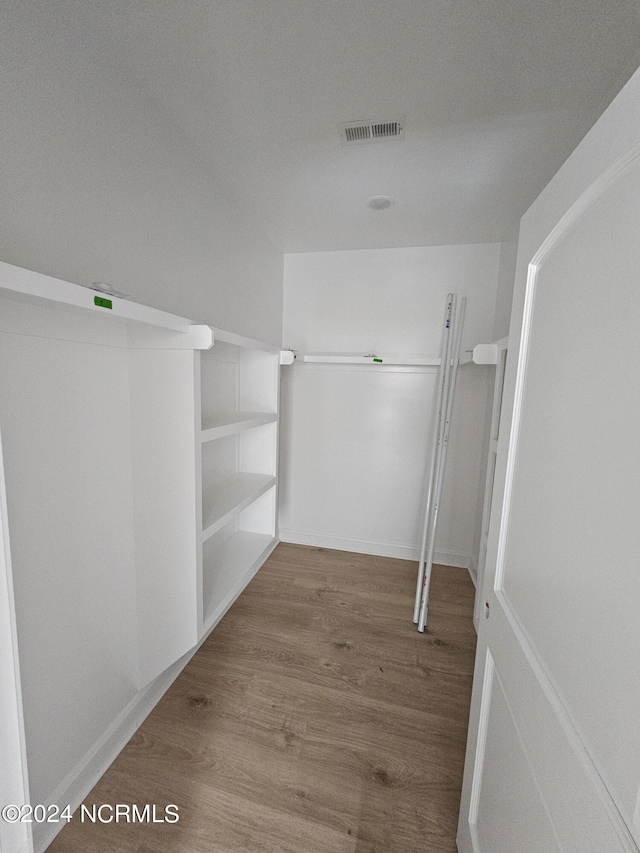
point(379, 202)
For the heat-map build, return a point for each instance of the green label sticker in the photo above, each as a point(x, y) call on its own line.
point(101, 302)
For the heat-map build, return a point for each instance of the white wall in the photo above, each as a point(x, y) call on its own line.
point(504, 298)
point(504, 293)
point(355, 440)
point(97, 186)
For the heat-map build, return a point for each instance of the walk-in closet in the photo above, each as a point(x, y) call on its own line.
point(318, 426)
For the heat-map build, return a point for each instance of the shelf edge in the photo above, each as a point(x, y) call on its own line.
point(35, 285)
point(220, 522)
point(240, 341)
point(213, 433)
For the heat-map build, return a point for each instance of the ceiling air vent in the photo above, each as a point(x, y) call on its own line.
point(359, 132)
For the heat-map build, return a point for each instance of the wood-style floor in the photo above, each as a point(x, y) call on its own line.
point(315, 719)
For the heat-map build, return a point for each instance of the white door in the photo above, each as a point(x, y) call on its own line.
point(553, 761)
point(15, 837)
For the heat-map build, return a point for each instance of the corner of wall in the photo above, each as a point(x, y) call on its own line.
point(504, 290)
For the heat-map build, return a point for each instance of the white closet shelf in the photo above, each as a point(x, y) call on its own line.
point(225, 569)
point(239, 341)
point(225, 499)
point(369, 359)
point(229, 423)
point(28, 286)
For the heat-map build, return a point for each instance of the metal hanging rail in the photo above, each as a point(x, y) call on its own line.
point(439, 412)
point(452, 340)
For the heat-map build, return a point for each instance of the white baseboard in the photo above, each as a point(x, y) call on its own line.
point(92, 766)
point(380, 549)
point(450, 558)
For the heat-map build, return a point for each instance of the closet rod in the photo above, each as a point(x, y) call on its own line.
point(369, 359)
point(439, 411)
point(459, 325)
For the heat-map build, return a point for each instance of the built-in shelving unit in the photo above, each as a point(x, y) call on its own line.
point(115, 380)
point(202, 405)
point(145, 448)
point(237, 440)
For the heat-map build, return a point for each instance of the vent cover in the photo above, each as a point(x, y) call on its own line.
point(359, 132)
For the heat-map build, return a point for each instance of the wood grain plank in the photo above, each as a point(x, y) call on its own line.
point(314, 719)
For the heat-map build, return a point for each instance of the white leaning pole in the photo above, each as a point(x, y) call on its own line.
point(440, 410)
point(458, 327)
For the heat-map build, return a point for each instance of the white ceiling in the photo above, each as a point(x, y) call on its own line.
point(496, 94)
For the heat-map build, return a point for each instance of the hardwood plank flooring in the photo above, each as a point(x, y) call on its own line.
point(315, 719)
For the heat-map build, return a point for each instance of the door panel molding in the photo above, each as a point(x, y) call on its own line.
point(562, 716)
point(14, 784)
point(577, 210)
point(483, 729)
point(579, 802)
point(526, 823)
